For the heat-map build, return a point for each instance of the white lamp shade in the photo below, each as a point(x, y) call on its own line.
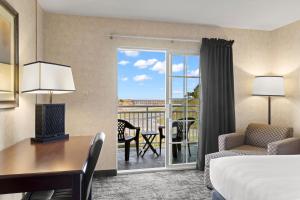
point(268, 86)
point(42, 77)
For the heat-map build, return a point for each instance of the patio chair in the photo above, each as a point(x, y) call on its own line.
point(127, 139)
point(180, 133)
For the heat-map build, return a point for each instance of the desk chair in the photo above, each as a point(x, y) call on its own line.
point(66, 194)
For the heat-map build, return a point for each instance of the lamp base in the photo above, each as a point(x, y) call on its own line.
point(49, 123)
point(50, 139)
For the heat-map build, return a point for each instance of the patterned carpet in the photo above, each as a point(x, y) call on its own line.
point(167, 185)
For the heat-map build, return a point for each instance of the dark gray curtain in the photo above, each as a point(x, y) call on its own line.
point(218, 113)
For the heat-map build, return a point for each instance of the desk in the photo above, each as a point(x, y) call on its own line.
point(26, 167)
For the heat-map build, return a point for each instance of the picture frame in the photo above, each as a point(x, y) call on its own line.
point(9, 56)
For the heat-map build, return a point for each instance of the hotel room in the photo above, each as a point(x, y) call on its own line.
point(139, 99)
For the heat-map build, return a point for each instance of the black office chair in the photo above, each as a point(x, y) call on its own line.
point(66, 194)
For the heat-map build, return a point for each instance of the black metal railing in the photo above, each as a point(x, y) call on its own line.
point(149, 118)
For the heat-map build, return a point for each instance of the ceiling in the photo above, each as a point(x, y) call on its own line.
point(250, 14)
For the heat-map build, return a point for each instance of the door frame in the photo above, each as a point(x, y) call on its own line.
point(168, 82)
point(147, 49)
point(168, 108)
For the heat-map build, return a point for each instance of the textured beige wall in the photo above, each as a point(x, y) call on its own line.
point(18, 123)
point(286, 62)
point(81, 43)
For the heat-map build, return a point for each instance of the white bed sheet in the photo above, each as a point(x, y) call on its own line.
point(257, 177)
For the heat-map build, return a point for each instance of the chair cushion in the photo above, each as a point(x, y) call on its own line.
point(261, 135)
point(249, 150)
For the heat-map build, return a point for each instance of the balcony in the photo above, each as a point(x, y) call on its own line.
point(150, 118)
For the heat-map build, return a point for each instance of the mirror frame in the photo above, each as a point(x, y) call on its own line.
point(13, 103)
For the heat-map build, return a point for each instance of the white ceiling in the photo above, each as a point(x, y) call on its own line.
point(252, 14)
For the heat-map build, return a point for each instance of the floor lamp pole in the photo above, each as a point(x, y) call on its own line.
point(269, 109)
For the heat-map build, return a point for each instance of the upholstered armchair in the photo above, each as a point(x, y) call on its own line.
point(261, 139)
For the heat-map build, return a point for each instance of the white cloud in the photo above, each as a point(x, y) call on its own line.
point(142, 64)
point(123, 62)
point(124, 78)
point(142, 77)
point(130, 53)
point(194, 73)
point(177, 92)
point(160, 67)
point(177, 67)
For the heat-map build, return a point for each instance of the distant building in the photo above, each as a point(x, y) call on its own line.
point(141, 102)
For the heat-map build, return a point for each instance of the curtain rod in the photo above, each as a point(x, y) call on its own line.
point(112, 36)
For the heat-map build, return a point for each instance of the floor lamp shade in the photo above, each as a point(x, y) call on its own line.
point(43, 78)
point(268, 86)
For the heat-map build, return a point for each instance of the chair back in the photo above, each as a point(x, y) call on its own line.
point(182, 130)
point(121, 130)
point(92, 160)
point(261, 135)
point(122, 125)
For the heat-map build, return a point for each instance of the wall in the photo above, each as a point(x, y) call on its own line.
point(17, 124)
point(82, 43)
point(286, 61)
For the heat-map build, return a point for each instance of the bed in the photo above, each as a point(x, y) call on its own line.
point(256, 177)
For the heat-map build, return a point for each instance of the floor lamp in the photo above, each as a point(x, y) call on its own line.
point(268, 86)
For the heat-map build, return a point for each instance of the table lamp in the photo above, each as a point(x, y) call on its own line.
point(268, 86)
point(48, 78)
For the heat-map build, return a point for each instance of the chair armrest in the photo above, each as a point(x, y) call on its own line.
point(161, 132)
point(130, 126)
point(231, 140)
point(137, 132)
point(284, 147)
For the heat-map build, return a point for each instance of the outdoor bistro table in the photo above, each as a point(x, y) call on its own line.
point(149, 137)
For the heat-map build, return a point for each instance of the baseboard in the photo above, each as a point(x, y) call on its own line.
point(109, 172)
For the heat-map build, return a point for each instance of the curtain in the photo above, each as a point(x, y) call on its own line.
point(217, 111)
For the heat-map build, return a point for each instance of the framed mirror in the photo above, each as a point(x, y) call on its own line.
point(9, 56)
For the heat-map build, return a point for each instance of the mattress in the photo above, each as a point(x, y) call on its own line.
point(257, 177)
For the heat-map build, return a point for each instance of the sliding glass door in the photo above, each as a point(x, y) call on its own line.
point(183, 107)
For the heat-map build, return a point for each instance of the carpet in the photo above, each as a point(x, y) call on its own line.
point(166, 185)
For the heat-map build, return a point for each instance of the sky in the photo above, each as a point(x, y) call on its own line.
point(142, 74)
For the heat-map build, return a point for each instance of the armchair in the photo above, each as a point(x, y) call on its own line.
point(258, 139)
point(261, 139)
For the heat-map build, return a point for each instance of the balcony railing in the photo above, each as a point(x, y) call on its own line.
point(149, 118)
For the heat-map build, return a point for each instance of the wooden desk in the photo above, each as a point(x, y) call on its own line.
point(26, 167)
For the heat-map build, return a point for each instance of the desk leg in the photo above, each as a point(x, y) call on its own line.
point(76, 188)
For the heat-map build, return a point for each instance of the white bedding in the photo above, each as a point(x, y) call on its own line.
point(257, 177)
